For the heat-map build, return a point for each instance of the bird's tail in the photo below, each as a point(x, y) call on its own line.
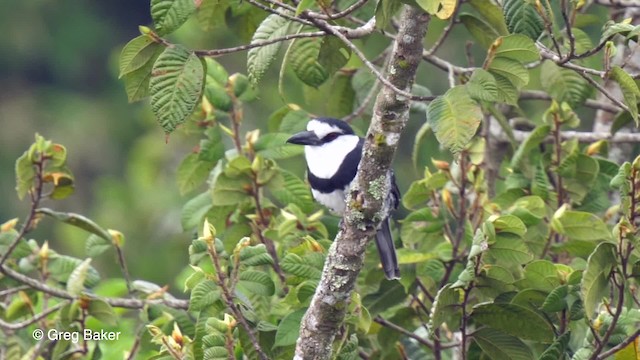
point(387, 251)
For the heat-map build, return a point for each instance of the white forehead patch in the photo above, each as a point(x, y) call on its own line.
point(321, 129)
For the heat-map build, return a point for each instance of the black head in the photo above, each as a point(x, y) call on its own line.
point(321, 131)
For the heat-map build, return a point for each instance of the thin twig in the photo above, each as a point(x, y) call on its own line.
point(590, 103)
point(572, 38)
point(34, 319)
point(116, 302)
point(36, 196)
point(603, 91)
point(365, 103)
point(228, 299)
point(620, 346)
point(445, 33)
point(380, 320)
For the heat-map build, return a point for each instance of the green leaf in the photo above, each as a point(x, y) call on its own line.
point(556, 350)
point(507, 91)
point(595, 278)
point(96, 245)
point(482, 32)
point(500, 346)
point(446, 309)
point(295, 265)
point(410, 256)
point(255, 255)
point(492, 14)
point(211, 14)
point(522, 18)
point(274, 146)
point(257, 282)
point(102, 311)
point(509, 224)
point(511, 250)
point(61, 266)
point(212, 148)
point(194, 210)
point(510, 69)
point(454, 118)
point(303, 60)
point(204, 294)
point(136, 83)
point(25, 174)
point(389, 294)
point(579, 225)
point(176, 86)
point(556, 300)
point(192, 172)
point(77, 220)
point(168, 15)
point(293, 191)
point(385, 9)
point(137, 53)
point(334, 54)
point(518, 47)
point(532, 141)
point(564, 85)
point(420, 191)
point(259, 59)
point(515, 320)
point(289, 328)
point(75, 283)
point(482, 86)
point(630, 91)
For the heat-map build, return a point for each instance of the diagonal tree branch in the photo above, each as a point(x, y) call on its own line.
point(344, 260)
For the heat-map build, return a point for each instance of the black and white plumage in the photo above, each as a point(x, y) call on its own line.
point(333, 153)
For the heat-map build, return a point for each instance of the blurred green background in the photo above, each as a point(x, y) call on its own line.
point(58, 76)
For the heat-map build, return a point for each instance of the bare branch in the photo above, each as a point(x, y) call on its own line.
point(117, 302)
point(620, 346)
point(380, 320)
point(345, 258)
point(590, 103)
point(34, 319)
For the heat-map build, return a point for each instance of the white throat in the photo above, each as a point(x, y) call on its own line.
point(323, 161)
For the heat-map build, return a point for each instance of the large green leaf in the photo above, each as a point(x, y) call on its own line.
point(482, 86)
point(630, 91)
point(192, 172)
point(510, 250)
point(25, 174)
point(176, 85)
point(137, 53)
point(454, 118)
point(334, 54)
point(595, 279)
point(136, 83)
point(256, 282)
point(293, 191)
point(303, 59)
point(204, 294)
point(564, 85)
point(75, 283)
point(275, 146)
point(385, 9)
point(446, 308)
point(531, 142)
point(77, 220)
point(259, 59)
point(518, 47)
point(61, 266)
point(510, 69)
point(500, 346)
point(579, 225)
point(492, 15)
point(515, 320)
point(295, 265)
point(289, 328)
point(522, 18)
point(168, 15)
point(482, 32)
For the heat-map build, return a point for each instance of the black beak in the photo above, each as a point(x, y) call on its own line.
point(305, 138)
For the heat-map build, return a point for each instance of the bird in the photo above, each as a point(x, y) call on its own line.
point(332, 152)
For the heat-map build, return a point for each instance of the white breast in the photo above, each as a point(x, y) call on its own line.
point(334, 201)
point(324, 161)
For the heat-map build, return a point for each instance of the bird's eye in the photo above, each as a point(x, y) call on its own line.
point(330, 137)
